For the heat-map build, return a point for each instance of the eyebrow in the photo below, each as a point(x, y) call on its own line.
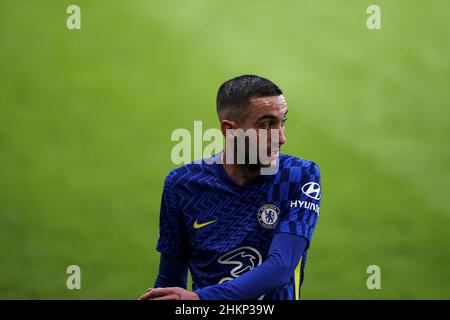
point(267, 117)
point(272, 117)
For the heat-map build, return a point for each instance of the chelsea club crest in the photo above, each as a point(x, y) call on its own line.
point(268, 216)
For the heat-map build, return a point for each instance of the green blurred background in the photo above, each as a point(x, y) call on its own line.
point(86, 117)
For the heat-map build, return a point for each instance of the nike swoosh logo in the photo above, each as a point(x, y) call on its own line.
point(201, 225)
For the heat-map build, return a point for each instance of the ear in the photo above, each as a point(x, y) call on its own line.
point(226, 126)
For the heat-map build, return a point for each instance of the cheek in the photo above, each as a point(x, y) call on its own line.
point(261, 137)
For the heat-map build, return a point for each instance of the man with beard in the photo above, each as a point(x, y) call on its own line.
point(242, 230)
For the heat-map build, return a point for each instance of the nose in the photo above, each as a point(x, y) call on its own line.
point(282, 137)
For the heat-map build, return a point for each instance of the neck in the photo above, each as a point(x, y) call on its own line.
point(239, 173)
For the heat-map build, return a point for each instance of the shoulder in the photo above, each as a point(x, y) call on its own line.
point(188, 173)
point(288, 162)
point(303, 175)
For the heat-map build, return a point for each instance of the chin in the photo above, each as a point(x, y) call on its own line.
point(273, 159)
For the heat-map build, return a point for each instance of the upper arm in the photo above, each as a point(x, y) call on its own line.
point(303, 206)
point(172, 234)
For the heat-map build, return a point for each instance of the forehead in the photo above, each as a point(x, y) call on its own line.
point(274, 104)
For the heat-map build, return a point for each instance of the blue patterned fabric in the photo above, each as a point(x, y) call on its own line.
point(224, 229)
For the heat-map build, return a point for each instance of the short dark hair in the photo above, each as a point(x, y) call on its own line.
point(234, 95)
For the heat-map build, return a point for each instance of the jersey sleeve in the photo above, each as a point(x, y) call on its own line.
point(171, 239)
point(300, 212)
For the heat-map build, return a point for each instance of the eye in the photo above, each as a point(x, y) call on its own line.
point(265, 125)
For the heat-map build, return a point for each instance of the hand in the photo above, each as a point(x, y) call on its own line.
point(174, 293)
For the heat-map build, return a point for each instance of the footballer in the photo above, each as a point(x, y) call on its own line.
point(241, 234)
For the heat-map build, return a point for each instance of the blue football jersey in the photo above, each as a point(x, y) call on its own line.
point(225, 230)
